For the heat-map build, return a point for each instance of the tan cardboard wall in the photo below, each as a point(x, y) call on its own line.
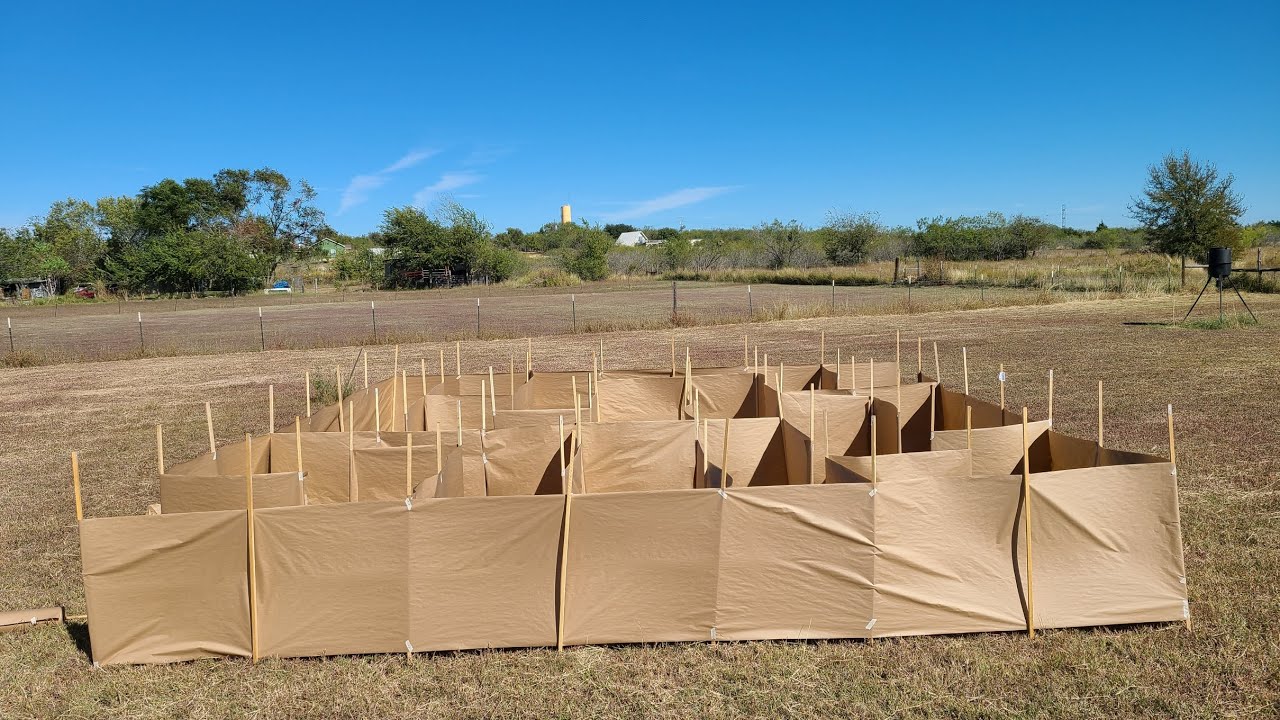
point(164, 588)
point(200, 493)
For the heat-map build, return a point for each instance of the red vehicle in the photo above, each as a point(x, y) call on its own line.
point(85, 291)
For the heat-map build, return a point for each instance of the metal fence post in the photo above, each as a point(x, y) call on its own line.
point(142, 343)
point(262, 332)
point(373, 311)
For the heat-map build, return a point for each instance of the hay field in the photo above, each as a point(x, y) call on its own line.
point(1222, 383)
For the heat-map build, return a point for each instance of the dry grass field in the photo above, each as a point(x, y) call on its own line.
point(96, 331)
point(1223, 384)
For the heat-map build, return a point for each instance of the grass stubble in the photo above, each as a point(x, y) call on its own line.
point(1222, 385)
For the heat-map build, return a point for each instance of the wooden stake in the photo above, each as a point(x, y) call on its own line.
point(673, 355)
point(933, 415)
point(408, 465)
point(512, 392)
point(1173, 452)
point(439, 451)
point(937, 365)
point(297, 443)
point(871, 368)
point(404, 398)
point(968, 426)
point(897, 350)
point(1000, 377)
point(528, 358)
point(724, 458)
point(208, 421)
point(459, 423)
point(442, 366)
point(395, 367)
point(253, 569)
point(423, 361)
point(365, 356)
point(919, 355)
point(457, 358)
point(601, 370)
point(160, 448)
point(271, 408)
point(483, 409)
point(377, 416)
point(964, 354)
point(564, 543)
point(1099, 413)
point(493, 394)
point(308, 378)
point(745, 363)
point(853, 373)
point(822, 345)
point(755, 354)
point(874, 475)
point(837, 368)
point(898, 412)
point(826, 435)
point(812, 437)
point(75, 485)
point(337, 374)
point(1051, 397)
point(1026, 504)
point(353, 486)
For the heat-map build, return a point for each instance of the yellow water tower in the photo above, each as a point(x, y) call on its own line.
point(566, 215)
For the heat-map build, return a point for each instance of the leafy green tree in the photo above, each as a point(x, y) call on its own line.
point(1026, 236)
point(1187, 208)
point(70, 233)
point(616, 229)
point(848, 237)
point(782, 242)
point(677, 251)
point(585, 250)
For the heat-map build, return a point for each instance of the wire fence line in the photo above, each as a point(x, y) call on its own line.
point(381, 318)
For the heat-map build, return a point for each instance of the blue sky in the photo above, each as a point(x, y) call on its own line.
point(647, 113)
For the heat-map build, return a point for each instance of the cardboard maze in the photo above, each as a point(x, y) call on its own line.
point(634, 506)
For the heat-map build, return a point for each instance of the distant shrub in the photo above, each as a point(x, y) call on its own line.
point(547, 277)
point(21, 359)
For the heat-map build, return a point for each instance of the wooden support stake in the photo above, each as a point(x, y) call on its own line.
point(353, 485)
point(337, 375)
point(271, 408)
point(308, 379)
point(404, 398)
point(512, 391)
point(457, 358)
point(1051, 397)
point(297, 443)
point(826, 436)
point(898, 412)
point(442, 366)
point(528, 358)
point(1000, 377)
point(871, 368)
point(897, 350)
point(395, 366)
point(493, 395)
point(484, 401)
point(253, 569)
point(208, 421)
point(1026, 504)
point(439, 451)
point(75, 485)
point(601, 370)
point(564, 542)
point(812, 436)
point(365, 356)
point(1099, 414)
point(377, 416)
point(933, 415)
point(673, 355)
point(837, 368)
point(964, 355)
point(724, 458)
point(1173, 460)
point(160, 448)
point(937, 365)
point(874, 476)
point(745, 357)
point(968, 427)
point(423, 370)
point(408, 465)
point(459, 423)
point(822, 348)
point(919, 355)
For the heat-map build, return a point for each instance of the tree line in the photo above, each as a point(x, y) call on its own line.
point(230, 232)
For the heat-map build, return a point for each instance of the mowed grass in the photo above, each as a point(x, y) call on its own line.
point(1222, 384)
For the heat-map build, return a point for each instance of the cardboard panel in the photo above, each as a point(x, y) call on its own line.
point(524, 460)
point(332, 579)
point(642, 567)
point(1107, 546)
point(939, 464)
point(726, 396)
point(945, 560)
point(795, 563)
point(648, 398)
point(998, 450)
point(230, 460)
point(952, 411)
point(483, 572)
point(629, 456)
point(165, 588)
point(756, 453)
point(201, 493)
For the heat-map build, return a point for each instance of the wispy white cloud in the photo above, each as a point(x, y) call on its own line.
point(680, 198)
point(361, 186)
point(448, 181)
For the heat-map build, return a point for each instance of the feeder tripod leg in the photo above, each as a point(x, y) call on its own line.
point(1197, 302)
point(1245, 304)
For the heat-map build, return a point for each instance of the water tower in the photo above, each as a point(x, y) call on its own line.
point(566, 215)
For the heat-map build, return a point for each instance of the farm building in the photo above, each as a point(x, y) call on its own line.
point(633, 238)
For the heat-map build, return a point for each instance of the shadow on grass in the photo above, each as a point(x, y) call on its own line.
point(79, 634)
